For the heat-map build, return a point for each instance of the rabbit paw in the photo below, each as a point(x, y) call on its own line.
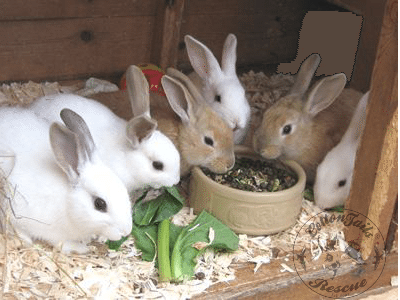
point(74, 247)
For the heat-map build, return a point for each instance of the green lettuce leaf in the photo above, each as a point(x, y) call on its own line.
point(184, 253)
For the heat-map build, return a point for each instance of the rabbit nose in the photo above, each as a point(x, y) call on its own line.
point(271, 152)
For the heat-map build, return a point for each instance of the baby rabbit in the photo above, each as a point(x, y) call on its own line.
point(305, 126)
point(335, 173)
point(61, 190)
point(138, 153)
point(220, 85)
point(201, 136)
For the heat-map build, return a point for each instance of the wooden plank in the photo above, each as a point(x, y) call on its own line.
point(73, 48)
point(167, 35)
point(282, 8)
point(50, 9)
point(357, 6)
point(250, 50)
point(392, 237)
point(385, 191)
point(267, 30)
point(382, 105)
point(262, 40)
point(270, 283)
point(365, 58)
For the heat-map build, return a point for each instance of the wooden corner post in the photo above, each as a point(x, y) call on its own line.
point(167, 34)
point(374, 190)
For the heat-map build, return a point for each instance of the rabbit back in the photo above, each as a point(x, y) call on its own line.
point(116, 146)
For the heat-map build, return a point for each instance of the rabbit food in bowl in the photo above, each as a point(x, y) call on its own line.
point(256, 175)
point(256, 197)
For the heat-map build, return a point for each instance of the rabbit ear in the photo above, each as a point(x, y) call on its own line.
point(187, 83)
point(179, 98)
point(305, 74)
point(139, 129)
point(228, 62)
point(138, 91)
point(357, 123)
point(76, 124)
point(202, 59)
point(324, 93)
point(67, 150)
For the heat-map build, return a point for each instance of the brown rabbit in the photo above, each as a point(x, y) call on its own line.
point(201, 136)
point(305, 126)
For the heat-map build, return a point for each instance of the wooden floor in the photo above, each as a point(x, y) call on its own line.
point(270, 283)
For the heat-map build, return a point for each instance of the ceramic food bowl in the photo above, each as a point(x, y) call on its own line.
point(253, 213)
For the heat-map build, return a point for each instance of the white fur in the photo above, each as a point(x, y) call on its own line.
point(338, 164)
point(54, 203)
point(132, 163)
point(212, 79)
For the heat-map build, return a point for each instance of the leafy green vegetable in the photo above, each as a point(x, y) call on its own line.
point(308, 193)
point(164, 266)
point(339, 209)
point(164, 206)
point(145, 240)
point(149, 213)
point(177, 246)
point(198, 232)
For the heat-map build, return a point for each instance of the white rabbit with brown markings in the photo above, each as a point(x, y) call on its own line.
point(62, 193)
point(304, 125)
point(335, 172)
point(202, 137)
point(220, 85)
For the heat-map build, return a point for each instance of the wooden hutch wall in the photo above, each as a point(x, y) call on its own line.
point(58, 40)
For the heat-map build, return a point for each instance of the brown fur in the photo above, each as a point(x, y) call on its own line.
point(189, 139)
point(312, 136)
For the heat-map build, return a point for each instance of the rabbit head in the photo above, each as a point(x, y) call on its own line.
point(220, 85)
point(199, 133)
point(204, 138)
point(334, 174)
point(293, 128)
point(161, 166)
point(64, 193)
point(101, 200)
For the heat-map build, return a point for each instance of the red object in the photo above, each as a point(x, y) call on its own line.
point(153, 75)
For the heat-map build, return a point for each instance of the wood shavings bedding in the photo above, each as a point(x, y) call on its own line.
point(39, 271)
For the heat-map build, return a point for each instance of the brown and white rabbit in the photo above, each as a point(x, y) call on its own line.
point(304, 125)
point(202, 137)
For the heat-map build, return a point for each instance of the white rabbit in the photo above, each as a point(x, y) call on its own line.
point(335, 173)
point(138, 153)
point(62, 192)
point(220, 85)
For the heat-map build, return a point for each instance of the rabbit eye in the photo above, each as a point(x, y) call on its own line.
point(209, 141)
point(158, 165)
point(342, 182)
point(217, 98)
point(100, 205)
point(287, 129)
